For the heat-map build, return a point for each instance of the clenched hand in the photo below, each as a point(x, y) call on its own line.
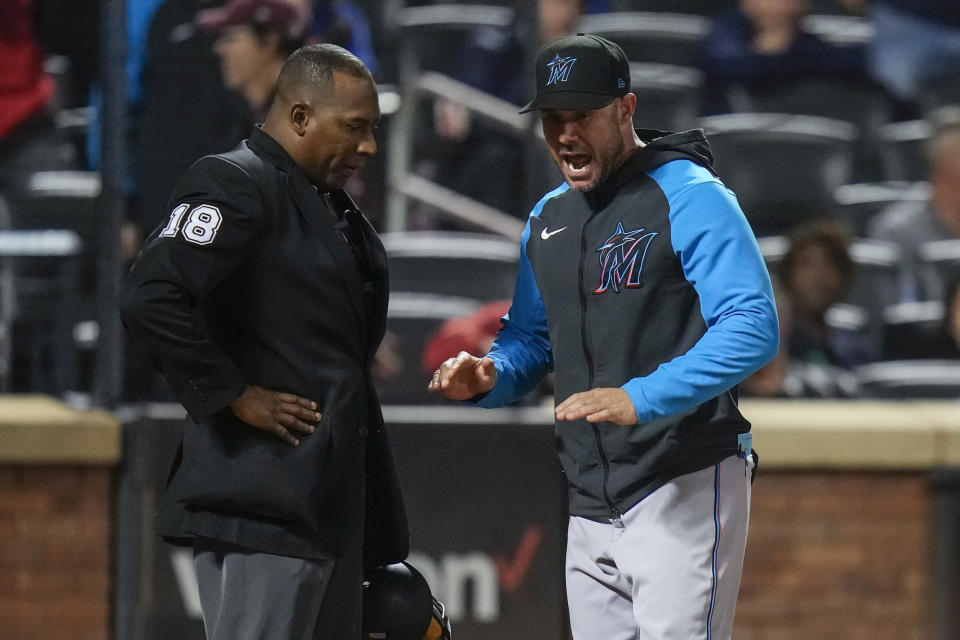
point(278, 413)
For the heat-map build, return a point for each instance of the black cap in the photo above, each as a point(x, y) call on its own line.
point(580, 72)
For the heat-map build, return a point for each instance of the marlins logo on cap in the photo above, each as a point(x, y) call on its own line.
point(560, 69)
point(580, 72)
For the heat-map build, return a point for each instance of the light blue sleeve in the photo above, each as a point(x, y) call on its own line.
point(720, 258)
point(521, 352)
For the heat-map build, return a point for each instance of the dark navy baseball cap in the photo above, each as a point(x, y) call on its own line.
point(581, 72)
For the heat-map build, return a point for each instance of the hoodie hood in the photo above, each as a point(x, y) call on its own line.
point(660, 148)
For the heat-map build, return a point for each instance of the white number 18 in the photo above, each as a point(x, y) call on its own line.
point(201, 226)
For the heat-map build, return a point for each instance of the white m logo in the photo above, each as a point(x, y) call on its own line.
point(559, 69)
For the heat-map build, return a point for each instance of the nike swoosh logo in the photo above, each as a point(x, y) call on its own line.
point(546, 236)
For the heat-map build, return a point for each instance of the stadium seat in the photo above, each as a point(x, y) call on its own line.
point(876, 272)
point(63, 200)
point(901, 152)
point(476, 266)
point(40, 304)
point(51, 252)
point(941, 260)
point(841, 30)
point(860, 103)
point(943, 255)
point(829, 7)
point(411, 319)
point(848, 316)
point(857, 203)
point(939, 95)
point(903, 379)
point(432, 36)
point(784, 168)
point(664, 38)
point(912, 330)
point(705, 8)
point(668, 96)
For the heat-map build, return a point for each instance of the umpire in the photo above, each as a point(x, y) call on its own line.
point(262, 301)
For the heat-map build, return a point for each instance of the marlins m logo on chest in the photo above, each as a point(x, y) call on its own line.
point(559, 69)
point(621, 259)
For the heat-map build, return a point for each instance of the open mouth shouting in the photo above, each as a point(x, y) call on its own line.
point(577, 166)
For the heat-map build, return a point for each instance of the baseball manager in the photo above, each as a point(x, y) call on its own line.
point(641, 284)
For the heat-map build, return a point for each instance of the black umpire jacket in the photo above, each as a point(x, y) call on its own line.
point(252, 281)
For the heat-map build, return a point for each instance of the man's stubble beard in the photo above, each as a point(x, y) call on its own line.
point(613, 151)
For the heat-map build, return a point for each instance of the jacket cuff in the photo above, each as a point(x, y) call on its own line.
point(495, 398)
point(634, 389)
point(202, 399)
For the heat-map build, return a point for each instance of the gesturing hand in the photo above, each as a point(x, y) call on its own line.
point(278, 413)
point(463, 377)
point(604, 404)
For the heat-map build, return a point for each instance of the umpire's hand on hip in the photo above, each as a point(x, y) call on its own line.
point(464, 377)
point(604, 404)
point(281, 414)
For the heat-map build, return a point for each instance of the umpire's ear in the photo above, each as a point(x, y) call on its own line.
point(300, 117)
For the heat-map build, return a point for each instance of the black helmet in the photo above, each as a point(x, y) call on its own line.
point(398, 605)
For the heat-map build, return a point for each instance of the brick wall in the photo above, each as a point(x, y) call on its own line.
point(838, 556)
point(55, 552)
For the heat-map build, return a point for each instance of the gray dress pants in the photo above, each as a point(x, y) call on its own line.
point(247, 595)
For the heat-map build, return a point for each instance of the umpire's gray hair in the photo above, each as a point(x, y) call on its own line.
point(313, 66)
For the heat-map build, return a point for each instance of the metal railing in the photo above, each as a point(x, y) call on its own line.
point(414, 85)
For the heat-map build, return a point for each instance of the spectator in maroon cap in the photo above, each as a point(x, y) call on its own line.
point(253, 39)
point(470, 333)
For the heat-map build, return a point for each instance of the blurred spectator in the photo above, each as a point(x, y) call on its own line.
point(490, 57)
point(943, 342)
point(344, 24)
point(29, 140)
point(186, 112)
point(816, 273)
point(951, 319)
point(489, 62)
point(910, 225)
point(253, 39)
point(138, 16)
point(761, 44)
point(473, 333)
point(916, 44)
point(815, 358)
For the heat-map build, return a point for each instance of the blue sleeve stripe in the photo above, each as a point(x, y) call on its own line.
point(521, 352)
point(721, 260)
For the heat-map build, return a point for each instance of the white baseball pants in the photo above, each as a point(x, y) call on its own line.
point(670, 570)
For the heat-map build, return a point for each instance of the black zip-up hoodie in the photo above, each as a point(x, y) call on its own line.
point(652, 282)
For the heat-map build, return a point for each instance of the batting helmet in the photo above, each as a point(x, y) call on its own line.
point(398, 605)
